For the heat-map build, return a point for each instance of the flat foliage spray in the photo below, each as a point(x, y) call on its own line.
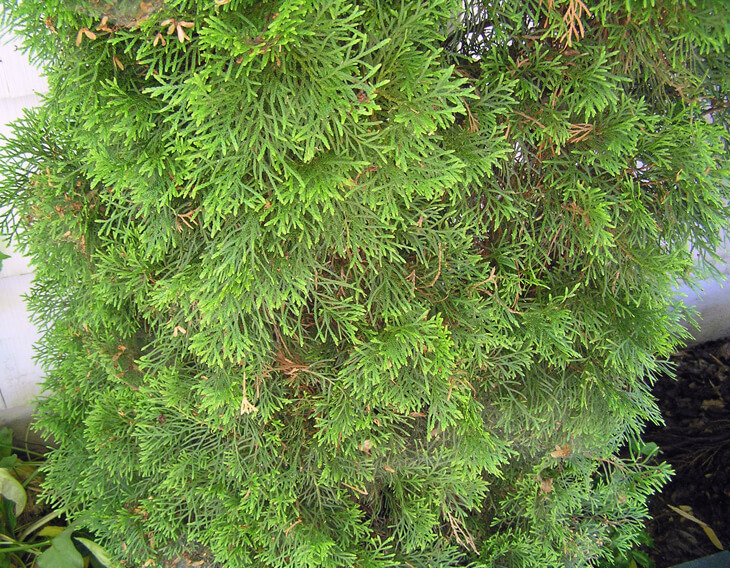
point(365, 284)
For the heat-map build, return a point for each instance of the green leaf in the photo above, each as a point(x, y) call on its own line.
point(8, 521)
point(641, 557)
point(51, 531)
point(101, 553)
point(62, 553)
point(5, 561)
point(6, 441)
point(649, 449)
point(8, 462)
point(11, 489)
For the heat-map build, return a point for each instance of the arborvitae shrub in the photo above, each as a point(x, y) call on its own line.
point(370, 283)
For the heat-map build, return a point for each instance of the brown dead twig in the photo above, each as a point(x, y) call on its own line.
point(573, 19)
point(461, 534)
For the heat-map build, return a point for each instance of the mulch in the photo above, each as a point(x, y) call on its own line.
point(696, 441)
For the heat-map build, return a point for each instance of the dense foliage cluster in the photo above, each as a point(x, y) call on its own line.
point(373, 283)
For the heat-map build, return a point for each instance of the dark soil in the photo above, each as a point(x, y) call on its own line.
point(696, 441)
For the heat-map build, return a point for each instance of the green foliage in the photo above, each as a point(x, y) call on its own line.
point(61, 552)
point(637, 557)
point(26, 541)
point(378, 283)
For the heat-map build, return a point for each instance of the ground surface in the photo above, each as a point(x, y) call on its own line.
point(696, 441)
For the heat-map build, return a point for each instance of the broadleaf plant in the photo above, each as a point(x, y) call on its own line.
point(370, 283)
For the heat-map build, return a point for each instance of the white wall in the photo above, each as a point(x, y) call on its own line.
point(19, 375)
point(712, 300)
